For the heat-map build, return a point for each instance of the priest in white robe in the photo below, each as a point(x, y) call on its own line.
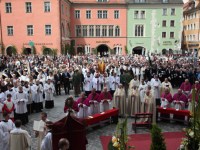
point(2, 99)
point(27, 90)
point(119, 100)
point(156, 85)
point(134, 82)
point(6, 126)
point(87, 84)
point(96, 83)
point(37, 96)
point(20, 102)
point(49, 89)
point(114, 82)
point(133, 101)
point(19, 138)
point(141, 89)
point(166, 84)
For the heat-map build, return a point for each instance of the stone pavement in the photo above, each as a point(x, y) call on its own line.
point(93, 134)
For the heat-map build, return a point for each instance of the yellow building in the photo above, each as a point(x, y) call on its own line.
point(191, 26)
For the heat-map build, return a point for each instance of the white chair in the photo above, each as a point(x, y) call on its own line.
point(179, 105)
point(164, 103)
point(94, 107)
point(105, 105)
point(83, 111)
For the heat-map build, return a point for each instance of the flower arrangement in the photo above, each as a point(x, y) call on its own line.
point(192, 139)
point(120, 139)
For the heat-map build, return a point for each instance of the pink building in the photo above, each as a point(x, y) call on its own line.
point(99, 26)
point(37, 25)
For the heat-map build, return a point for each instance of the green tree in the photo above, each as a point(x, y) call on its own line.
point(158, 141)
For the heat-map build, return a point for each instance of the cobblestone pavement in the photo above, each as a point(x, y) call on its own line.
point(93, 134)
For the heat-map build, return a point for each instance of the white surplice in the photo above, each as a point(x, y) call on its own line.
point(47, 142)
point(20, 102)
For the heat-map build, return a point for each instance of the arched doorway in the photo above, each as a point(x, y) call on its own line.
point(164, 52)
point(138, 50)
point(47, 51)
point(27, 51)
point(80, 51)
point(170, 51)
point(102, 50)
point(9, 51)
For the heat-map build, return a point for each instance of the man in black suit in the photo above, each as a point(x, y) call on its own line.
point(65, 81)
point(57, 79)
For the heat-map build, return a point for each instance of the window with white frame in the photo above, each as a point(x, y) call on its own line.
point(85, 30)
point(48, 29)
point(91, 30)
point(8, 7)
point(78, 30)
point(104, 30)
point(10, 30)
point(98, 30)
point(47, 6)
point(139, 30)
point(173, 11)
point(99, 14)
point(172, 23)
point(77, 14)
point(28, 7)
point(142, 14)
point(116, 14)
point(164, 11)
point(117, 31)
point(164, 35)
point(30, 30)
point(88, 14)
point(105, 14)
point(171, 35)
point(111, 30)
point(136, 14)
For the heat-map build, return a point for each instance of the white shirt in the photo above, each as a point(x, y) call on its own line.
point(12, 92)
point(114, 82)
point(20, 101)
point(88, 83)
point(47, 142)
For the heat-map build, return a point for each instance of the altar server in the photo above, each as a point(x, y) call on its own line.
point(47, 141)
point(2, 99)
point(114, 82)
point(20, 102)
point(87, 84)
point(156, 85)
point(96, 83)
point(10, 91)
point(9, 106)
point(6, 126)
point(49, 90)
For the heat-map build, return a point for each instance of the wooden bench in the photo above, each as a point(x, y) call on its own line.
point(97, 118)
point(173, 112)
point(148, 123)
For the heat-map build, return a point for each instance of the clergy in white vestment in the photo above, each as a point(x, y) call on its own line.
point(142, 88)
point(134, 82)
point(87, 84)
point(114, 82)
point(19, 138)
point(133, 101)
point(106, 81)
point(27, 90)
point(41, 134)
point(15, 87)
point(96, 83)
point(119, 100)
point(6, 126)
point(156, 85)
point(20, 102)
point(37, 96)
point(47, 141)
point(3, 139)
point(148, 106)
point(2, 99)
point(49, 90)
point(166, 84)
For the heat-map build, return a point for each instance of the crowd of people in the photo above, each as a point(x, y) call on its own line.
point(132, 83)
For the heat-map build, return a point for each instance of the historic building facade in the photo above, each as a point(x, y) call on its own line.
point(154, 26)
point(99, 26)
point(34, 25)
point(191, 30)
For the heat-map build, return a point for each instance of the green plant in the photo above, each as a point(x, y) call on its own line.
point(54, 51)
point(120, 139)
point(3, 49)
point(23, 50)
point(158, 141)
point(47, 51)
point(126, 49)
point(14, 50)
point(34, 50)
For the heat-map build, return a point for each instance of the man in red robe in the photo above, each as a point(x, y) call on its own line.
point(166, 98)
point(186, 87)
point(93, 95)
point(104, 98)
point(180, 99)
point(9, 107)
